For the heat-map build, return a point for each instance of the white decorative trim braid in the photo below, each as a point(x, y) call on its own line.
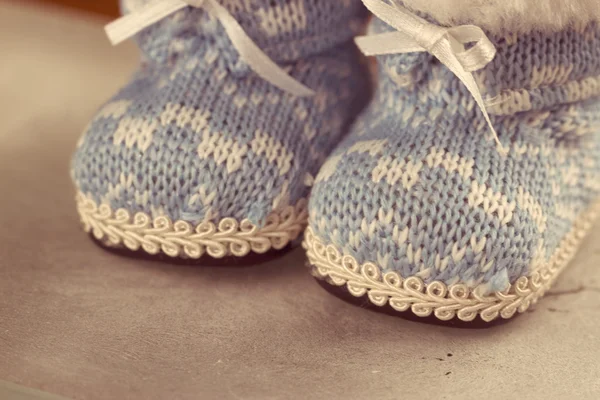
point(445, 302)
point(120, 228)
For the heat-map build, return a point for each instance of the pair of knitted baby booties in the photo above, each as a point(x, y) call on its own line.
point(241, 109)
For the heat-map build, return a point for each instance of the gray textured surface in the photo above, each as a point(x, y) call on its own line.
point(86, 324)
point(11, 391)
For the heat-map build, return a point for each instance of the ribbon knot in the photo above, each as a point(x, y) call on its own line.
point(154, 11)
point(415, 34)
point(427, 36)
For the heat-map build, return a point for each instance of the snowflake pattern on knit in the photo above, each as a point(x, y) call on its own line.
point(418, 187)
point(197, 136)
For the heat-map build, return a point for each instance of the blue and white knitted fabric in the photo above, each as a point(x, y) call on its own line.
point(198, 137)
point(417, 206)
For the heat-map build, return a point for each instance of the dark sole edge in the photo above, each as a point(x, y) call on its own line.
point(248, 260)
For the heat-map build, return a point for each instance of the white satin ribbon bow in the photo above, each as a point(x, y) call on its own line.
point(414, 34)
point(130, 24)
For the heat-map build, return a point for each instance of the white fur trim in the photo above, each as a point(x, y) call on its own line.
point(509, 16)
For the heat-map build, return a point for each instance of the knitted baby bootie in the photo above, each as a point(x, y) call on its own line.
point(210, 149)
point(420, 208)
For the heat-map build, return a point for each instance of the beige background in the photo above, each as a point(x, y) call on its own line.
point(103, 7)
point(80, 322)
